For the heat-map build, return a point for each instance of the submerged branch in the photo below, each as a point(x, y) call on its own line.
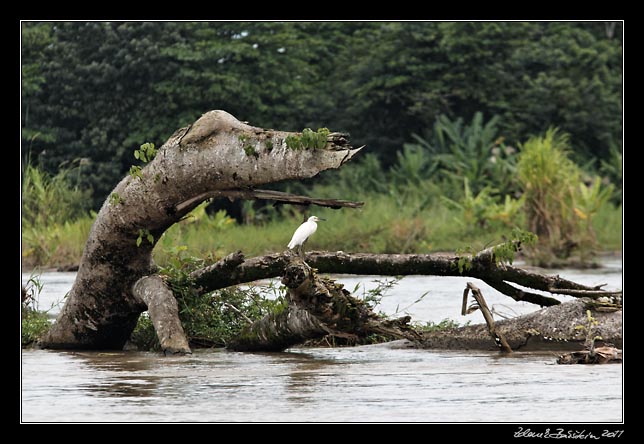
point(498, 337)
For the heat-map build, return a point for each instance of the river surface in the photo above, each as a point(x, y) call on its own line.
point(374, 383)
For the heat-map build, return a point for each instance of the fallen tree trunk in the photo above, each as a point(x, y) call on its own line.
point(316, 307)
point(551, 328)
point(483, 266)
point(308, 315)
point(217, 153)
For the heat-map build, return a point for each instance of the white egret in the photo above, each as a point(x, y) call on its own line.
point(303, 232)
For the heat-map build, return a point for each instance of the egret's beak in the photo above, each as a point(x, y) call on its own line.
point(320, 218)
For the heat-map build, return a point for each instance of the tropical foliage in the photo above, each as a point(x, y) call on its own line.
point(98, 90)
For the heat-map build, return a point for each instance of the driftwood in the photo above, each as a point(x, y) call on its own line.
point(551, 328)
point(483, 266)
point(317, 307)
point(302, 321)
point(216, 154)
point(599, 355)
point(498, 337)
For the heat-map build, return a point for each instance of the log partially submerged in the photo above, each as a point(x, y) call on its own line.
point(307, 316)
point(551, 328)
point(164, 314)
point(316, 307)
point(599, 355)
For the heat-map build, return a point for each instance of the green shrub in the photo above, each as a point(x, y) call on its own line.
point(212, 319)
point(559, 206)
point(34, 324)
point(473, 151)
point(48, 199)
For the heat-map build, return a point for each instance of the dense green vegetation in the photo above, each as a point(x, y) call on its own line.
point(55, 216)
point(472, 130)
point(94, 92)
point(455, 118)
point(559, 205)
point(209, 320)
point(407, 210)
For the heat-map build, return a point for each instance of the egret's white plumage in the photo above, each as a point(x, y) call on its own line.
point(303, 232)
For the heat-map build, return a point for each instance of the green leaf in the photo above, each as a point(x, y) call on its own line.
point(137, 154)
point(135, 171)
point(150, 238)
point(139, 240)
point(115, 199)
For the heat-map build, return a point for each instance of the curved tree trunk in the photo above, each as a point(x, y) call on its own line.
point(216, 153)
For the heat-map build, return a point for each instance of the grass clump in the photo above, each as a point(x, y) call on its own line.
point(309, 139)
point(34, 323)
point(559, 206)
point(445, 324)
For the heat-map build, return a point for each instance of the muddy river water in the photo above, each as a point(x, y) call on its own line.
point(359, 384)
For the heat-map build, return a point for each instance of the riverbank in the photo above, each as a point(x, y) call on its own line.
point(442, 298)
point(380, 227)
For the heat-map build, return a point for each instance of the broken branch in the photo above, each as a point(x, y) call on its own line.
point(277, 196)
point(164, 314)
point(499, 339)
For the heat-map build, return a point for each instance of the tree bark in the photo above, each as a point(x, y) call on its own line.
point(215, 153)
point(164, 314)
point(316, 307)
point(551, 328)
point(483, 266)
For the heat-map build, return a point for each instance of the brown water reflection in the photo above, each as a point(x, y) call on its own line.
point(128, 373)
point(370, 383)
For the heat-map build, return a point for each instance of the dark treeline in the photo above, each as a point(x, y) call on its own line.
point(93, 92)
